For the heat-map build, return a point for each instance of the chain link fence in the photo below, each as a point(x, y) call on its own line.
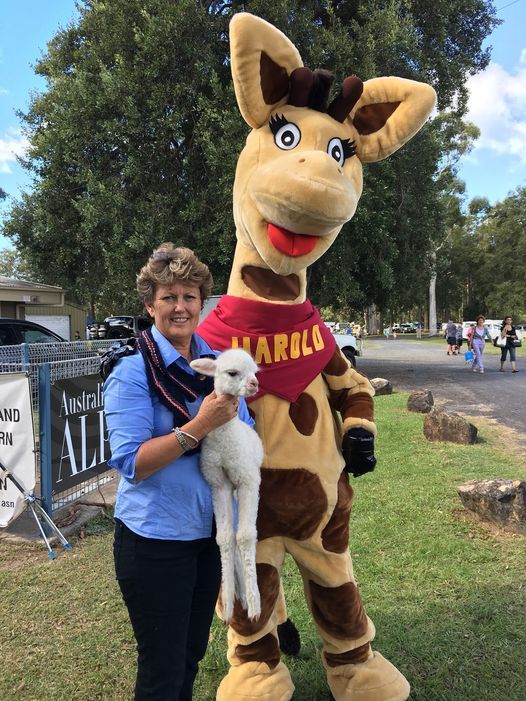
point(29, 357)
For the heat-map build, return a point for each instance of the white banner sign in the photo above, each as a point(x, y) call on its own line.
point(17, 444)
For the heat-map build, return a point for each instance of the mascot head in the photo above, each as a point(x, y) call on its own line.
point(299, 177)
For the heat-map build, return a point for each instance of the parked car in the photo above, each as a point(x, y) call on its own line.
point(15, 331)
point(407, 327)
point(348, 345)
point(125, 326)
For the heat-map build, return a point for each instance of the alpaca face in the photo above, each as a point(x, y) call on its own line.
point(234, 372)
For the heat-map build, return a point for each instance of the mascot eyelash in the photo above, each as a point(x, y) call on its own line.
point(349, 148)
point(278, 121)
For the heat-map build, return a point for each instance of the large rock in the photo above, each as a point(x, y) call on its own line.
point(421, 400)
point(441, 425)
point(381, 386)
point(502, 502)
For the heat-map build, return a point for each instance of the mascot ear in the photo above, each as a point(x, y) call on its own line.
point(389, 112)
point(262, 59)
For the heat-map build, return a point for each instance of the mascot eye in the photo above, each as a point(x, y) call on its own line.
point(340, 150)
point(286, 134)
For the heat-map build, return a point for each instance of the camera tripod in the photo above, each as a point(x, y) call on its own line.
point(39, 514)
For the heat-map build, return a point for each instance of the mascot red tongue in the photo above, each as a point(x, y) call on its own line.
point(289, 243)
point(318, 403)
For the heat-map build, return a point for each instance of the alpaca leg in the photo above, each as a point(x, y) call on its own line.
point(225, 537)
point(246, 537)
point(241, 592)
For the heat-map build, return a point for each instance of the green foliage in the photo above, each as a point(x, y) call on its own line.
point(13, 265)
point(487, 260)
point(135, 140)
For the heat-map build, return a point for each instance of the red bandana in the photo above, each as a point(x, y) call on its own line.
point(290, 343)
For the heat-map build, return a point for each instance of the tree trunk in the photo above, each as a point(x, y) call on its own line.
point(372, 321)
point(432, 296)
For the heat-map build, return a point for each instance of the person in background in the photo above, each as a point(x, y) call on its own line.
point(387, 332)
point(510, 333)
point(459, 339)
point(450, 334)
point(479, 334)
point(77, 336)
point(157, 411)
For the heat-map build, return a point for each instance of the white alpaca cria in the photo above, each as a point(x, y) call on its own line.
point(231, 457)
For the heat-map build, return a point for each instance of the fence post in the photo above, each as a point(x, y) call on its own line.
point(24, 347)
point(44, 413)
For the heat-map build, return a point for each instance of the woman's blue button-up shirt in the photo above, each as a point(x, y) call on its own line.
point(175, 502)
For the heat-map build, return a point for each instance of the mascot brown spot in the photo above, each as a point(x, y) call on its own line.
point(335, 535)
point(291, 503)
point(339, 610)
point(304, 414)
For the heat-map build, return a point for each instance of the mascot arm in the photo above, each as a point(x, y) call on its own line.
point(351, 394)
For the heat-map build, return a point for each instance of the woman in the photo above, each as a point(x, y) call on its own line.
point(476, 340)
point(157, 411)
point(509, 332)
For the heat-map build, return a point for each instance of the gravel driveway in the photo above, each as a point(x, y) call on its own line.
point(410, 364)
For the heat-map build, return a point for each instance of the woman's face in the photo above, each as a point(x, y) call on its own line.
point(507, 320)
point(481, 321)
point(175, 311)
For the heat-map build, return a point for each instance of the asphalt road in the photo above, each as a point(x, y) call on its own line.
point(411, 364)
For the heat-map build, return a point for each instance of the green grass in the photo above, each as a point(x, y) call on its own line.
point(447, 596)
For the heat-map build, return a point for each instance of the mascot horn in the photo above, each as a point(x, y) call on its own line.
point(298, 180)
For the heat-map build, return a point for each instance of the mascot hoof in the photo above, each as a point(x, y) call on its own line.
point(289, 638)
point(255, 681)
point(374, 680)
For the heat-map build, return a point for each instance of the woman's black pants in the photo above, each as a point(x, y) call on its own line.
point(170, 588)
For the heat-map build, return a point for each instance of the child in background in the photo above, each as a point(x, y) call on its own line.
point(459, 339)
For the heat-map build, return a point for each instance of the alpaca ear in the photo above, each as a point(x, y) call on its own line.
point(206, 366)
point(389, 112)
point(262, 59)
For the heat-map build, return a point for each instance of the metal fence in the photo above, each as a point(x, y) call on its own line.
point(29, 357)
point(45, 363)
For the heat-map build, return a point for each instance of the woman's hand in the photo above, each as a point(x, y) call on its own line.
point(215, 411)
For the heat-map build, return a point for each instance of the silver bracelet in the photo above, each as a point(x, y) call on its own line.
point(182, 437)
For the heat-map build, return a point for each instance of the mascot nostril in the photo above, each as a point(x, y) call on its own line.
point(314, 412)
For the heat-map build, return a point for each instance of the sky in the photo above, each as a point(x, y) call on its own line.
point(495, 167)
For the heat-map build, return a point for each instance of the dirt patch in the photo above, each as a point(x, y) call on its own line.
point(490, 528)
point(15, 556)
point(505, 437)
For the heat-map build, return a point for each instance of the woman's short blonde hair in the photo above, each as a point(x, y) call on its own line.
point(169, 265)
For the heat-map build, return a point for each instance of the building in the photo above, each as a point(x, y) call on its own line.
point(43, 304)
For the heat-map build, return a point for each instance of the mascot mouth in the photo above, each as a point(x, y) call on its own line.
point(289, 243)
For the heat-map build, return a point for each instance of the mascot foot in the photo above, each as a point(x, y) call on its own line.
point(289, 638)
point(374, 680)
point(255, 681)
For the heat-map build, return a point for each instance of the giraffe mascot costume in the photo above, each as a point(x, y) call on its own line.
point(298, 180)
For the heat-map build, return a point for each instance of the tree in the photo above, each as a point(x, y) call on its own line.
point(13, 265)
point(136, 137)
